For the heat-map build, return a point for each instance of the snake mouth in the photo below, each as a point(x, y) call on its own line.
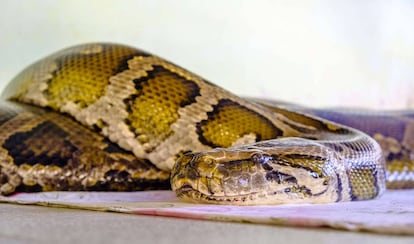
point(184, 189)
point(190, 191)
point(189, 194)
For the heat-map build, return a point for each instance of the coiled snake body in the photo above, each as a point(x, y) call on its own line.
point(128, 118)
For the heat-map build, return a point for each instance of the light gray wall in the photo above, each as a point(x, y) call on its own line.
point(319, 53)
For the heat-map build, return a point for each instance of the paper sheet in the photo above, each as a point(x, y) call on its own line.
point(393, 213)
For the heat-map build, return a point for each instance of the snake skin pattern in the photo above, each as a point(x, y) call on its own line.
point(393, 130)
point(219, 148)
point(45, 151)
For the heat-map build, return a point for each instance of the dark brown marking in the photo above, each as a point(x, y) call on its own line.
point(167, 92)
point(45, 144)
point(284, 160)
point(280, 177)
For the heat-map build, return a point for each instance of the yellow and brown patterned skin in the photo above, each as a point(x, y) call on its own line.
point(46, 151)
point(393, 130)
point(180, 122)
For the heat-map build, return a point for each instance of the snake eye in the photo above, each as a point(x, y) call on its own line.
point(206, 162)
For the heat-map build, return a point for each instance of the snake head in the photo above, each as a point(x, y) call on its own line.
point(261, 173)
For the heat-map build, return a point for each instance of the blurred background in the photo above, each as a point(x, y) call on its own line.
point(317, 53)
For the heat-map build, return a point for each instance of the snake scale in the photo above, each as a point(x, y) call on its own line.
point(111, 117)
